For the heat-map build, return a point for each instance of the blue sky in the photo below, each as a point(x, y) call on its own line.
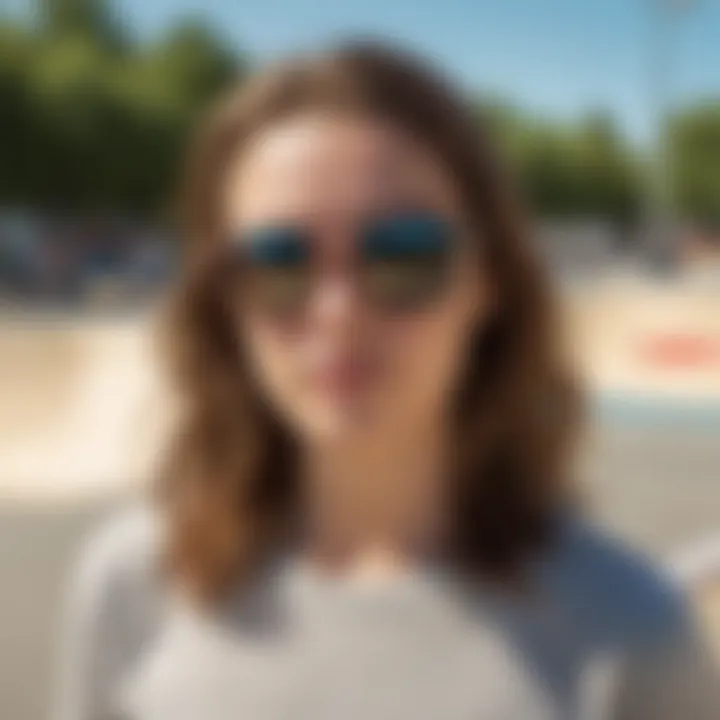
point(556, 57)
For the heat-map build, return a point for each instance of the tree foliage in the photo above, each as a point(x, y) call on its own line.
point(93, 119)
point(695, 152)
point(584, 168)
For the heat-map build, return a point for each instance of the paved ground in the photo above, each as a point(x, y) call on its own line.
point(658, 487)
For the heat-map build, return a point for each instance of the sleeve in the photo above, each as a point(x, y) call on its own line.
point(101, 630)
point(674, 677)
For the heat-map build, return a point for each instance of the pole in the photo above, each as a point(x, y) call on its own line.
point(662, 225)
point(659, 215)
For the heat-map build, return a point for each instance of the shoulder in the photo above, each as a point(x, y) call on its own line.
point(638, 610)
point(120, 548)
point(111, 611)
point(114, 582)
point(616, 591)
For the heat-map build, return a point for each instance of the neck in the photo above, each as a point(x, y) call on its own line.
point(377, 506)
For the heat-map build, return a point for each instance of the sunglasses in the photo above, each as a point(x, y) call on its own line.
point(403, 263)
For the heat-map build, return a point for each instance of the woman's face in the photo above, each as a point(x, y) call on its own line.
point(360, 283)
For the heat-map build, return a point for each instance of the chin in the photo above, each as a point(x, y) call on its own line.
point(345, 423)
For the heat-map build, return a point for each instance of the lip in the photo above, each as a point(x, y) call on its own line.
point(344, 376)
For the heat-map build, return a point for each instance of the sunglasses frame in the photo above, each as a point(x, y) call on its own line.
point(454, 249)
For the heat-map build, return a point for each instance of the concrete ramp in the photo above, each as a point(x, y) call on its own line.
point(76, 408)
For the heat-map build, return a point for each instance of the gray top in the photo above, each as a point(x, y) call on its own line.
point(605, 638)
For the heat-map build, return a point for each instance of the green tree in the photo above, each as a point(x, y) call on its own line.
point(695, 149)
point(16, 117)
point(568, 169)
point(607, 180)
point(90, 18)
point(168, 85)
point(93, 120)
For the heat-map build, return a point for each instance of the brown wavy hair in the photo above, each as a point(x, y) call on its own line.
point(229, 483)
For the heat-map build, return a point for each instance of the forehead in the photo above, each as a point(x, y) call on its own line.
point(320, 167)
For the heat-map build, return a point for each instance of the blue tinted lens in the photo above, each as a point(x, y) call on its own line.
point(406, 236)
point(406, 260)
point(277, 268)
point(276, 246)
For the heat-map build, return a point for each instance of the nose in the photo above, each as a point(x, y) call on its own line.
point(335, 304)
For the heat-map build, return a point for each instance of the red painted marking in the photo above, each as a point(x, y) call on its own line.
point(679, 351)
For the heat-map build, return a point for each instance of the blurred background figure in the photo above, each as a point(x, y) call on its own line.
point(609, 115)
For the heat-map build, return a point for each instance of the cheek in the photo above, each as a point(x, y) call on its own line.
point(419, 359)
point(429, 351)
point(271, 358)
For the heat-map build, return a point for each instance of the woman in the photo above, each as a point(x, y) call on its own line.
point(365, 513)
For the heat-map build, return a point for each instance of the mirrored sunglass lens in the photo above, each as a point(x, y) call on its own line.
point(406, 260)
point(278, 268)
